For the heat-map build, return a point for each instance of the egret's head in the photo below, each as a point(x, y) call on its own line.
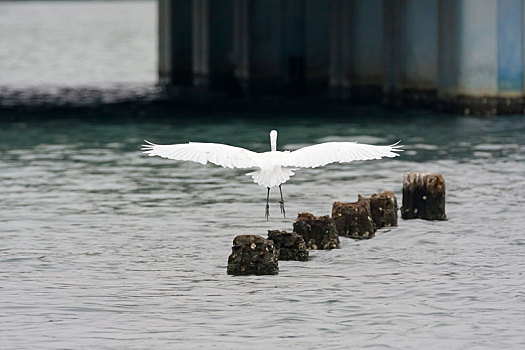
point(273, 140)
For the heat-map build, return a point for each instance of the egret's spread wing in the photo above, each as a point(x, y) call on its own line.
point(337, 152)
point(223, 155)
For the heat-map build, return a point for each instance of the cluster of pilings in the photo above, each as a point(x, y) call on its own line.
point(463, 56)
point(423, 198)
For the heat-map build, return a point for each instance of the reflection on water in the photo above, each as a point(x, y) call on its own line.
point(104, 247)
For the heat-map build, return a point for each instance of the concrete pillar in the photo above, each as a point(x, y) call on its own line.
point(481, 61)
point(511, 55)
point(472, 52)
point(164, 18)
point(265, 35)
point(419, 68)
point(367, 55)
point(293, 60)
point(241, 44)
point(200, 43)
point(411, 50)
point(468, 57)
point(447, 43)
point(221, 56)
point(175, 42)
point(317, 45)
point(340, 45)
point(393, 13)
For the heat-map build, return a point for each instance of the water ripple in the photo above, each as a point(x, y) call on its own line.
point(123, 250)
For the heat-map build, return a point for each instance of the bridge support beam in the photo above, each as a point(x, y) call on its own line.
point(340, 46)
point(293, 59)
point(459, 55)
point(200, 43)
point(175, 42)
point(265, 46)
point(367, 54)
point(220, 46)
point(411, 50)
point(481, 56)
point(316, 46)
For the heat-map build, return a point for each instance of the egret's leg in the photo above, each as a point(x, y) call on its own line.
point(282, 202)
point(267, 212)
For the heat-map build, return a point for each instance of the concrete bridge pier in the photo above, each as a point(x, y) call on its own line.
point(175, 43)
point(293, 43)
point(340, 69)
point(264, 46)
point(196, 48)
point(411, 50)
point(481, 63)
point(221, 46)
point(367, 51)
point(201, 43)
point(458, 55)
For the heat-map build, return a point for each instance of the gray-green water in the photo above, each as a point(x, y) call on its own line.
point(104, 248)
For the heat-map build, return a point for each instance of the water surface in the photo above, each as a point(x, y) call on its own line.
point(103, 247)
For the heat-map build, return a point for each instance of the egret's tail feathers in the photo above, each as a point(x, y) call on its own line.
point(271, 178)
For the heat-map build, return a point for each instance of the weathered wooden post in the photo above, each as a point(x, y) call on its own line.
point(289, 245)
point(318, 232)
point(354, 220)
point(252, 255)
point(383, 207)
point(423, 196)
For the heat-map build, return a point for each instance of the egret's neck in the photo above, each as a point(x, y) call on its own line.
point(273, 140)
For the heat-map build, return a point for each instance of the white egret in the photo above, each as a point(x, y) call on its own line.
point(275, 167)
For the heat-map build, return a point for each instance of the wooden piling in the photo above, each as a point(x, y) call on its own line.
point(383, 207)
point(318, 232)
point(354, 220)
point(289, 245)
point(423, 196)
point(252, 255)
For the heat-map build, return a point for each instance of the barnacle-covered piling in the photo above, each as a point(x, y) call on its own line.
point(253, 255)
point(354, 220)
point(289, 245)
point(318, 232)
point(423, 196)
point(383, 207)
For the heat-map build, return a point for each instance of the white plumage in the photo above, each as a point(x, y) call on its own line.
point(275, 167)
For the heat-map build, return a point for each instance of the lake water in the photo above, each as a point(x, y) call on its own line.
point(103, 247)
